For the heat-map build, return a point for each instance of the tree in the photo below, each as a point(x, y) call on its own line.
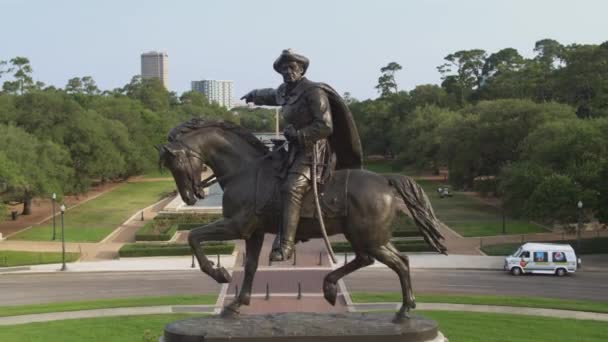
point(386, 82)
point(4, 69)
point(464, 68)
point(31, 167)
point(23, 79)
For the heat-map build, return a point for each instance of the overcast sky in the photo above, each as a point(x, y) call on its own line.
point(348, 41)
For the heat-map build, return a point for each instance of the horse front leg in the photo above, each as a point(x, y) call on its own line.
point(253, 248)
point(221, 230)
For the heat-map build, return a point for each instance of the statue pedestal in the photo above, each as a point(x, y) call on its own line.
point(304, 327)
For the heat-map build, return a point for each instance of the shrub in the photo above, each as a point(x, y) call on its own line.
point(144, 250)
point(157, 230)
point(401, 245)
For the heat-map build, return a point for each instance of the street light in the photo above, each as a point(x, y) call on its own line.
point(580, 226)
point(63, 267)
point(53, 199)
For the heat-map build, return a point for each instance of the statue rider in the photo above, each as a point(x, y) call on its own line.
point(317, 122)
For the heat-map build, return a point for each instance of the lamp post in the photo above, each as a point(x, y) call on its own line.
point(63, 267)
point(53, 199)
point(580, 226)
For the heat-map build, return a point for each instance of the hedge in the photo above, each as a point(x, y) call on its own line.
point(402, 246)
point(144, 250)
point(157, 230)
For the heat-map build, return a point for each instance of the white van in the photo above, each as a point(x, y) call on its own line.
point(544, 258)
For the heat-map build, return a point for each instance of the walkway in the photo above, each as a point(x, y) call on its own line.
point(300, 306)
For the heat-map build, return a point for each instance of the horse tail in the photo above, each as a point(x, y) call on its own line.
point(420, 207)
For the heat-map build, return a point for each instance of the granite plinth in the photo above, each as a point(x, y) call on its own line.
point(304, 327)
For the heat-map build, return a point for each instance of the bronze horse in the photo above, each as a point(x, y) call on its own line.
point(235, 156)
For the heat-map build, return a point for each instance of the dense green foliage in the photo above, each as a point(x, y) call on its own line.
point(64, 140)
point(531, 130)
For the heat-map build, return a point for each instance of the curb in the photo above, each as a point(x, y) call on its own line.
point(14, 269)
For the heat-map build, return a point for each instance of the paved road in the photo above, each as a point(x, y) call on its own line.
point(16, 289)
point(589, 285)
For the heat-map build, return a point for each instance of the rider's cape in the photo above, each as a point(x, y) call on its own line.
point(344, 139)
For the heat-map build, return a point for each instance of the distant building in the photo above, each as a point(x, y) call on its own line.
point(155, 65)
point(220, 92)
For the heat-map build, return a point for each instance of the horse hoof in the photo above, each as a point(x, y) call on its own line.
point(401, 317)
point(222, 276)
point(330, 292)
point(229, 312)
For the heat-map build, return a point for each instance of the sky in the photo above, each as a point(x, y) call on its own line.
point(347, 41)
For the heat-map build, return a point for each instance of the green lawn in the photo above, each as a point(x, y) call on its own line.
point(457, 326)
point(95, 219)
point(146, 328)
point(107, 303)
point(588, 246)
point(19, 258)
point(488, 327)
point(532, 302)
point(471, 217)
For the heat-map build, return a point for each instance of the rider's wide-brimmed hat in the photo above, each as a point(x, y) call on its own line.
point(290, 56)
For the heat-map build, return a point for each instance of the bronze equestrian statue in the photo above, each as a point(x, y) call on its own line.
point(357, 203)
point(319, 126)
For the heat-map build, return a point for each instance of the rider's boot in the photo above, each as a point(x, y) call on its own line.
point(296, 188)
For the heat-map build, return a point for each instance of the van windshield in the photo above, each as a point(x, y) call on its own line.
point(517, 252)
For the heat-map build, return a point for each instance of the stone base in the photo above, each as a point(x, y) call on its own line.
point(304, 327)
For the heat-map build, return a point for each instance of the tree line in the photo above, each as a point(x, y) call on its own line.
point(63, 140)
point(531, 130)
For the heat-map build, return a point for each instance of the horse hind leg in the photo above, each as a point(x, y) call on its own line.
point(387, 255)
point(330, 291)
point(406, 261)
point(221, 230)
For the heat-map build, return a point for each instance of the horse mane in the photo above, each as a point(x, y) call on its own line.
point(197, 123)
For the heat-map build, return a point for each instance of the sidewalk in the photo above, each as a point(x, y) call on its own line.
point(591, 263)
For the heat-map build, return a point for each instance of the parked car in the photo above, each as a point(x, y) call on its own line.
point(544, 258)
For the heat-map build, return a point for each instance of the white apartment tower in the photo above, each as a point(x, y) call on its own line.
point(218, 91)
point(155, 64)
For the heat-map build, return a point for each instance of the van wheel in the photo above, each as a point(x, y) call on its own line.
point(516, 271)
point(560, 272)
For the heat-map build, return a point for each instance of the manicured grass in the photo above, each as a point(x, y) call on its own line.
point(147, 328)
point(588, 246)
point(156, 173)
point(530, 302)
point(20, 258)
point(489, 327)
point(457, 326)
point(95, 219)
point(471, 217)
point(107, 303)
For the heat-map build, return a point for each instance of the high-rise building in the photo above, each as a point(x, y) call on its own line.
point(220, 92)
point(155, 64)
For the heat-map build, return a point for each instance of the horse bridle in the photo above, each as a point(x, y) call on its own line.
point(212, 179)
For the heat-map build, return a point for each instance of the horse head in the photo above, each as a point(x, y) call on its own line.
point(186, 167)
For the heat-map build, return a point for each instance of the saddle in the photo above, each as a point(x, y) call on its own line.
point(332, 195)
